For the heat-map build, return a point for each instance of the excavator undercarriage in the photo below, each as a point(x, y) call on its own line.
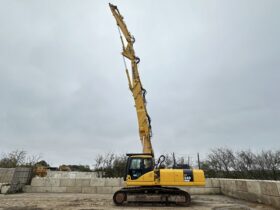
point(152, 194)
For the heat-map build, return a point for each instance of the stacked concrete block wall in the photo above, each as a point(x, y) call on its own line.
point(74, 182)
point(261, 191)
point(13, 179)
point(75, 185)
point(87, 182)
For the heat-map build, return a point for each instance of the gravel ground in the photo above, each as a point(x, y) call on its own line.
point(40, 201)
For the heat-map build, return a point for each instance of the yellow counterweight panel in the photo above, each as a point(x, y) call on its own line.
point(171, 176)
point(175, 177)
point(198, 176)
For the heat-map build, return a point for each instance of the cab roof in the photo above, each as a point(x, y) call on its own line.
point(140, 155)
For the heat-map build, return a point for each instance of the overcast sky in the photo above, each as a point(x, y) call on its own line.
point(211, 69)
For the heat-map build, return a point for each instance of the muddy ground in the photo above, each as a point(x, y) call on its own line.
point(40, 201)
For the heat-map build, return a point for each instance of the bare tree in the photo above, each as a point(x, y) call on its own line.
point(18, 158)
point(13, 159)
point(98, 165)
point(222, 159)
point(168, 160)
point(110, 165)
point(245, 160)
point(32, 160)
point(271, 161)
point(223, 162)
point(108, 160)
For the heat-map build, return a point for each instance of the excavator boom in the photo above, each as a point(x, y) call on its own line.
point(138, 92)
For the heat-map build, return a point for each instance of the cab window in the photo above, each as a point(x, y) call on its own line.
point(139, 166)
point(135, 163)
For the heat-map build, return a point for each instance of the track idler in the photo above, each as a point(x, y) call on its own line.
point(119, 197)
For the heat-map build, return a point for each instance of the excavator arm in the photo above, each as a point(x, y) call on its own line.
point(138, 92)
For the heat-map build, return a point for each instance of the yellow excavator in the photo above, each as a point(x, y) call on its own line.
point(146, 179)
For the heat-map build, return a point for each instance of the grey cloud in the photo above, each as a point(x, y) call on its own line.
point(211, 69)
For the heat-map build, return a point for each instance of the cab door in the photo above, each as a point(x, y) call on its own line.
point(140, 172)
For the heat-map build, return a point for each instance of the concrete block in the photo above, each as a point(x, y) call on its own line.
point(72, 175)
point(89, 190)
point(275, 201)
point(253, 186)
point(215, 191)
point(201, 190)
point(58, 189)
point(38, 182)
point(241, 185)
point(93, 175)
point(27, 189)
point(40, 189)
point(208, 183)
point(222, 183)
point(5, 189)
point(85, 175)
point(209, 191)
point(50, 174)
point(196, 191)
point(82, 182)
point(33, 189)
point(215, 183)
point(266, 192)
point(244, 196)
point(57, 174)
point(73, 189)
point(122, 182)
point(62, 174)
point(52, 182)
point(230, 185)
point(269, 188)
point(66, 182)
point(2, 184)
point(112, 182)
point(98, 182)
point(278, 185)
point(114, 189)
point(104, 190)
point(271, 200)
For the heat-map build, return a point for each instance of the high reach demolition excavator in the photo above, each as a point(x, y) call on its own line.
point(147, 180)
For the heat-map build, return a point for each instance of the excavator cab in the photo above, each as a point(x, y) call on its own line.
point(138, 165)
